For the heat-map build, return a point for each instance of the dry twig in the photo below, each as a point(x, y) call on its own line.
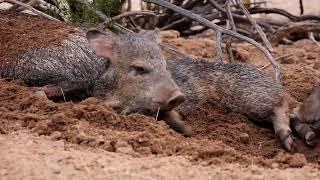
point(283, 13)
point(255, 25)
point(219, 47)
point(233, 28)
point(31, 9)
point(132, 13)
point(301, 7)
point(311, 37)
point(294, 27)
point(277, 59)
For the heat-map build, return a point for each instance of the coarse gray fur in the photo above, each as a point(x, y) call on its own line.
point(238, 87)
point(129, 74)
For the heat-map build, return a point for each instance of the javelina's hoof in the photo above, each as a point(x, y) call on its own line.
point(187, 131)
point(310, 139)
point(289, 144)
point(287, 140)
point(174, 120)
point(40, 94)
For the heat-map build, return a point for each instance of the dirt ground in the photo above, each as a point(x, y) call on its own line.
point(41, 139)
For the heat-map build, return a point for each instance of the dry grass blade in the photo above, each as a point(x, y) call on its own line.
point(158, 113)
point(64, 97)
point(217, 28)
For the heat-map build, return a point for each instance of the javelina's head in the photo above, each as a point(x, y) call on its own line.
point(140, 80)
point(310, 109)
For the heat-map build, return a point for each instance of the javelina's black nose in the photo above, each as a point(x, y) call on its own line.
point(176, 99)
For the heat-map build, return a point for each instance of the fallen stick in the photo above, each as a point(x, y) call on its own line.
point(277, 59)
point(132, 13)
point(311, 37)
point(233, 28)
point(294, 27)
point(255, 25)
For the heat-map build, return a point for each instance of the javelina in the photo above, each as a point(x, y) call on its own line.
point(239, 87)
point(306, 116)
point(128, 72)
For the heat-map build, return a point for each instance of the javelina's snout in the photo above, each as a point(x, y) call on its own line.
point(176, 99)
point(168, 98)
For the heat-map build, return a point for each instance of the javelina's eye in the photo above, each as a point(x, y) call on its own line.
point(140, 70)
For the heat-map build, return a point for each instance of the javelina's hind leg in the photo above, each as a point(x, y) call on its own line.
point(304, 130)
point(281, 125)
point(174, 120)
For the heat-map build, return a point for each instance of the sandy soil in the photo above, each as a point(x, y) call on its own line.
point(41, 139)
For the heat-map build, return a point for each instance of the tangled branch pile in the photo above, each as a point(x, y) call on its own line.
point(222, 12)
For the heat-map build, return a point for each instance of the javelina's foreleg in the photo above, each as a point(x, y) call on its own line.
point(174, 120)
point(51, 91)
point(61, 89)
point(304, 130)
point(281, 125)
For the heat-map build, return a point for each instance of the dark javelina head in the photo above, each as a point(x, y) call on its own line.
point(310, 109)
point(140, 80)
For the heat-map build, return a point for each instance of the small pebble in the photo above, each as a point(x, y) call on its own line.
point(244, 138)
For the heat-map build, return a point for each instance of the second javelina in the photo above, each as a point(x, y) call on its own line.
point(238, 87)
point(306, 116)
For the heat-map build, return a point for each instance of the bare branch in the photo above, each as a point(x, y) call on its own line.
point(217, 28)
point(277, 59)
point(311, 37)
point(294, 27)
point(233, 28)
point(256, 26)
point(171, 25)
point(237, 16)
point(283, 13)
point(219, 47)
point(230, 17)
point(134, 24)
point(301, 7)
point(32, 9)
point(133, 13)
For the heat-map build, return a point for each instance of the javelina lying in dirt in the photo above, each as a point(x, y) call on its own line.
point(306, 117)
point(238, 87)
point(128, 72)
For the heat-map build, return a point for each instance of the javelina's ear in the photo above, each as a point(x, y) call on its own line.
point(153, 35)
point(101, 43)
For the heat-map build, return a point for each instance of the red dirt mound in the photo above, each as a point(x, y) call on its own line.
point(20, 32)
point(91, 123)
point(219, 136)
